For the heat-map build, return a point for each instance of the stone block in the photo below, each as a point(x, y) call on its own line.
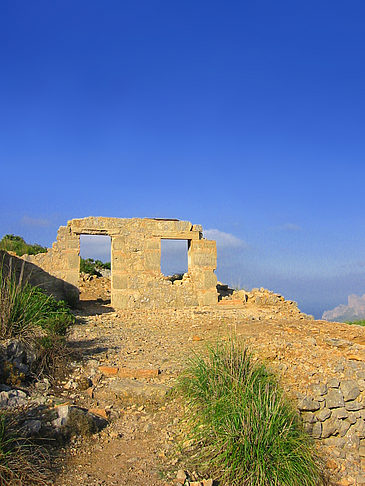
point(200, 259)
point(333, 383)
point(340, 413)
point(73, 243)
point(353, 405)
point(323, 414)
point(120, 300)
point(109, 370)
point(308, 404)
point(208, 298)
point(119, 281)
point(153, 260)
point(317, 430)
point(349, 389)
point(119, 243)
point(73, 260)
point(334, 398)
point(329, 427)
point(153, 244)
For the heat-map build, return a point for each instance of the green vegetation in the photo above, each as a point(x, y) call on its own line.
point(357, 323)
point(27, 313)
point(240, 427)
point(19, 246)
point(22, 462)
point(23, 308)
point(93, 267)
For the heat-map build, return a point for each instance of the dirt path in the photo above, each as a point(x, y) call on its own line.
point(136, 448)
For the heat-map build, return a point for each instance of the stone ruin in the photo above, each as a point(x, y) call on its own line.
point(136, 278)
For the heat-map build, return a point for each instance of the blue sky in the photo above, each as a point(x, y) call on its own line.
point(246, 117)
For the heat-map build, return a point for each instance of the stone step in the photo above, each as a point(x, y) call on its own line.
point(132, 391)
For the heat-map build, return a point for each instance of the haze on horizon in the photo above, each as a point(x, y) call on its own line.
point(247, 118)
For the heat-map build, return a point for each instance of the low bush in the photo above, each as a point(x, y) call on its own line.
point(361, 322)
point(93, 267)
point(18, 245)
point(240, 427)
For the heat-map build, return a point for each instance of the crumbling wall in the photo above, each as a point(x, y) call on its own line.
point(136, 261)
point(36, 276)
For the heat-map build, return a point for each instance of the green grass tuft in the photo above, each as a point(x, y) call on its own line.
point(240, 427)
point(23, 308)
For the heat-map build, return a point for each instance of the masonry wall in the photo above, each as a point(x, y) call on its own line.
point(136, 261)
point(36, 276)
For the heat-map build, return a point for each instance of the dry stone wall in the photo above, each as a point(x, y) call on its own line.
point(136, 279)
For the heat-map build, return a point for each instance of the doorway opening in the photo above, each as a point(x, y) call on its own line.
point(95, 268)
point(174, 258)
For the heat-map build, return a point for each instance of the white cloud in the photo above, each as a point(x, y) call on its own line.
point(40, 222)
point(224, 240)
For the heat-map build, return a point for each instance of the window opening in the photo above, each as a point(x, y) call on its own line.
point(95, 267)
point(174, 258)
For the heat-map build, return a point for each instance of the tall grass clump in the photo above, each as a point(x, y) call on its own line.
point(240, 427)
point(24, 308)
point(22, 461)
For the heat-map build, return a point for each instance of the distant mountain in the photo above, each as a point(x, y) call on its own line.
point(353, 311)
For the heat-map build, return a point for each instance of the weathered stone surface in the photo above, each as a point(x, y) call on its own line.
point(349, 389)
point(12, 398)
point(334, 398)
point(323, 414)
point(317, 430)
point(333, 383)
point(319, 389)
point(308, 404)
point(340, 413)
point(329, 427)
point(353, 405)
point(133, 390)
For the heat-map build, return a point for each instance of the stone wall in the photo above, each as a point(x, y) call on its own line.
point(136, 261)
point(334, 414)
point(36, 276)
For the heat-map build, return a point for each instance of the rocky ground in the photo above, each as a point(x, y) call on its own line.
point(125, 364)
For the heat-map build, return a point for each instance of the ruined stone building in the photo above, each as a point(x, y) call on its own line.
point(136, 279)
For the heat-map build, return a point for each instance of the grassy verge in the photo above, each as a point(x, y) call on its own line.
point(240, 427)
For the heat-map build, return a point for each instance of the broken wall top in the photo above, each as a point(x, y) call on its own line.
point(162, 228)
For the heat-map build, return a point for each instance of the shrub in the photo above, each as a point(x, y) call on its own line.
point(357, 323)
point(18, 245)
point(22, 462)
point(93, 267)
point(241, 428)
point(52, 357)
